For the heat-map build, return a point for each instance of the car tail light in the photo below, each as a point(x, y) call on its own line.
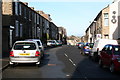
point(85, 47)
point(11, 53)
point(37, 53)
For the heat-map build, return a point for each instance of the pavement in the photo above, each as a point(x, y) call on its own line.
point(4, 63)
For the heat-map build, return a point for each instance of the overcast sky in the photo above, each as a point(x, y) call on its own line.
point(74, 16)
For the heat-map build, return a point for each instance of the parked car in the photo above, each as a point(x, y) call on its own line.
point(86, 48)
point(80, 44)
point(59, 42)
point(39, 44)
point(25, 52)
point(110, 56)
point(52, 43)
point(98, 46)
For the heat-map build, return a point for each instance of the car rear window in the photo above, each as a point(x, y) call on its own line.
point(25, 46)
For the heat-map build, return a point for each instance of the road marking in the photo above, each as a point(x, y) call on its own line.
point(67, 75)
point(66, 55)
point(72, 62)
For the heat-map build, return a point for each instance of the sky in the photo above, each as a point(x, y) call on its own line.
point(74, 15)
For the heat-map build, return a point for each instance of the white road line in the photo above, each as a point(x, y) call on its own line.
point(72, 62)
point(66, 55)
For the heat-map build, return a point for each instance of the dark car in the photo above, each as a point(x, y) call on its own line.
point(110, 57)
point(86, 48)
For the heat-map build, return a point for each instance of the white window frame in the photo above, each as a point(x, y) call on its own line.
point(16, 28)
point(21, 30)
point(29, 15)
point(20, 9)
point(25, 15)
point(37, 19)
point(11, 34)
point(16, 8)
point(106, 19)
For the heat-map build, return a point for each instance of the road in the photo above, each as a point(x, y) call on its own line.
point(64, 62)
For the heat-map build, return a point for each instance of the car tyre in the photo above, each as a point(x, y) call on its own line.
point(38, 64)
point(12, 65)
point(43, 55)
point(95, 57)
point(112, 68)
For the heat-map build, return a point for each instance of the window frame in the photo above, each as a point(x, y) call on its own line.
point(106, 19)
point(16, 28)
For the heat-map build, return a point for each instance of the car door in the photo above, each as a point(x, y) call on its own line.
point(104, 54)
point(108, 55)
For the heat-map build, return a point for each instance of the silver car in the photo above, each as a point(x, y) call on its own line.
point(25, 52)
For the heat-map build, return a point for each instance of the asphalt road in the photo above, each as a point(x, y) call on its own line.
point(63, 62)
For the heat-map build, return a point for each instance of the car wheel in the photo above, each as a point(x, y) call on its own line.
point(42, 53)
point(80, 52)
point(112, 68)
point(100, 63)
point(38, 64)
point(12, 65)
point(43, 56)
point(95, 57)
point(84, 54)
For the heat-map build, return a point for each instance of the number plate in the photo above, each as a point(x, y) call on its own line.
point(25, 54)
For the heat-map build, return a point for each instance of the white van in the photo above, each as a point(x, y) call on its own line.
point(98, 46)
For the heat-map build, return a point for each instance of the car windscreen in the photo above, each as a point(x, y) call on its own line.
point(25, 46)
point(116, 50)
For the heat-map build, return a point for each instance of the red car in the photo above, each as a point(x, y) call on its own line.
point(110, 56)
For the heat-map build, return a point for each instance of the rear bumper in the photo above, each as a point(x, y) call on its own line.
point(87, 52)
point(24, 60)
